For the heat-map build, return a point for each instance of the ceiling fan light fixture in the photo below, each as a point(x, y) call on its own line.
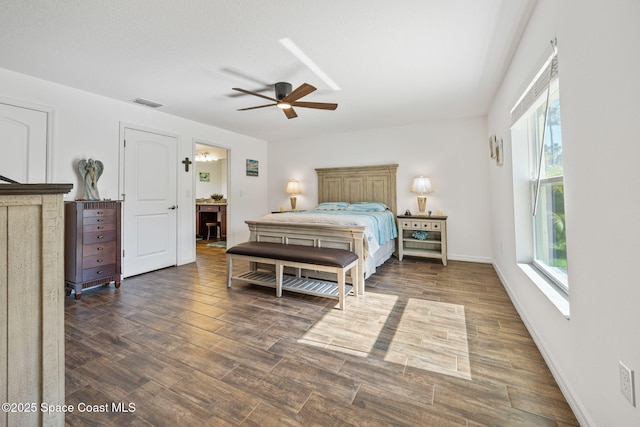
point(283, 105)
point(205, 157)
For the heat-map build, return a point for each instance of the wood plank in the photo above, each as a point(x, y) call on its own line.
point(325, 383)
point(24, 310)
point(226, 401)
point(4, 311)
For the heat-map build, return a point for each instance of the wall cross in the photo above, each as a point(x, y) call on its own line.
point(186, 162)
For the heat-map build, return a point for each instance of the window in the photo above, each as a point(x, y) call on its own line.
point(549, 238)
point(539, 178)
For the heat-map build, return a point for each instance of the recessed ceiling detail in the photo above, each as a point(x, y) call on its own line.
point(302, 57)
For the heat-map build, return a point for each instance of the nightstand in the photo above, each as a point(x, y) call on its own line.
point(434, 231)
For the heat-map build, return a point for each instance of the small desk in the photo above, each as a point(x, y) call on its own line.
point(211, 212)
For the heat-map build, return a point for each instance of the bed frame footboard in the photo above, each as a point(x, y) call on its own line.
point(349, 238)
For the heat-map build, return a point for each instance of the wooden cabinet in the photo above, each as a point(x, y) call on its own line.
point(92, 244)
point(211, 212)
point(32, 365)
point(423, 237)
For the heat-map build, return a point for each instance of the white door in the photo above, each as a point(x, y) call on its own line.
point(150, 217)
point(23, 144)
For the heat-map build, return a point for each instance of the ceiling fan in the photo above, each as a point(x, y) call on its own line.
point(286, 99)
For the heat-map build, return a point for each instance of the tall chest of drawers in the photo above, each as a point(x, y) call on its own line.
point(92, 244)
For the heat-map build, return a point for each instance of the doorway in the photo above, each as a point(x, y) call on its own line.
point(211, 194)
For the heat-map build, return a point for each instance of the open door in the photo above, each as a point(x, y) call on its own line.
point(149, 217)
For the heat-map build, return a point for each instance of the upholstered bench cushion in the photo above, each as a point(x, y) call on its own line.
point(296, 253)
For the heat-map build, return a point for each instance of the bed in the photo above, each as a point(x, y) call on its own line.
point(350, 229)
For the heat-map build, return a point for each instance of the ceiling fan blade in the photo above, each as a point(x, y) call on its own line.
point(259, 106)
point(245, 76)
point(303, 90)
point(264, 89)
point(263, 86)
point(290, 113)
point(319, 105)
point(254, 94)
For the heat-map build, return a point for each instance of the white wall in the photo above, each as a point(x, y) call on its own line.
point(88, 125)
point(218, 179)
point(453, 153)
point(599, 64)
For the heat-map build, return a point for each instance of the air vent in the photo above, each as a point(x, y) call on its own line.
point(147, 103)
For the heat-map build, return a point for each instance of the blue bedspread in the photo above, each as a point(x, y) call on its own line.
point(382, 224)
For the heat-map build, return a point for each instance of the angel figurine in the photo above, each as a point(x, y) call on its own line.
point(90, 171)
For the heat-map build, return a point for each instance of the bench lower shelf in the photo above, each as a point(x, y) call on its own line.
point(303, 285)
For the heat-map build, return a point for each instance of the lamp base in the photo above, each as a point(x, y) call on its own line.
point(422, 205)
point(292, 199)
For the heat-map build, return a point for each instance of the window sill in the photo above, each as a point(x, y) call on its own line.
point(557, 297)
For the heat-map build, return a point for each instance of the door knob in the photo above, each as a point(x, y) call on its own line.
point(173, 207)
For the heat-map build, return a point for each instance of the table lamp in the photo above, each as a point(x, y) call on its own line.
point(421, 185)
point(293, 188)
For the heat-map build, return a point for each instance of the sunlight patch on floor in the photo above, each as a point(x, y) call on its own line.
point(427, 335)
point(432, 335)
point(355, 330)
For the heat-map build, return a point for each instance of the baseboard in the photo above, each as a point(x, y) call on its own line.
point(567, 391)
point(186, 261)
point(467, 258)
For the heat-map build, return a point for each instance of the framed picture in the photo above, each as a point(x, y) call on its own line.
point(252, 167)
point(492, 146)
point(499, 152)
point(205, 176)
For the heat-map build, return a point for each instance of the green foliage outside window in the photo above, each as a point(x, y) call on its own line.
point(549, 222)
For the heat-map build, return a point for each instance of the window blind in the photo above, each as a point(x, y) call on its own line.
point(538, 86)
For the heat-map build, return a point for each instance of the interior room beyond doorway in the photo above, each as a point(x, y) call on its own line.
point(211, 192)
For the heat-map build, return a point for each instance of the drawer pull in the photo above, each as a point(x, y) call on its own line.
point(99, 271)
point(99, 212)
point(101, 237)
point(99, 260)
point(100, 220)
point(100, 227)
point(100, 249)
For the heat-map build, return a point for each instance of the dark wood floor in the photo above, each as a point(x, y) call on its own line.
point(426, 346)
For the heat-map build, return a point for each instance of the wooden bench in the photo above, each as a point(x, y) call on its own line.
point(338, 261)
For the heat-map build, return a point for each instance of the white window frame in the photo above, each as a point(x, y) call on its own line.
point(550, 280)
point(555, 274)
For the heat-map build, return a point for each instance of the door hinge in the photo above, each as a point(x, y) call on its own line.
point(125, 143)
point(123, 196)
point(123, 253)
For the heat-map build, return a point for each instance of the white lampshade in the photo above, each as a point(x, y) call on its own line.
point(421, 184)
point(293, 187)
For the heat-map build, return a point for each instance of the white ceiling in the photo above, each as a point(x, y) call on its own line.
point(396, 61)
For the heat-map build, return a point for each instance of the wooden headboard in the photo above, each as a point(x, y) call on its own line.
point(358, 184)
